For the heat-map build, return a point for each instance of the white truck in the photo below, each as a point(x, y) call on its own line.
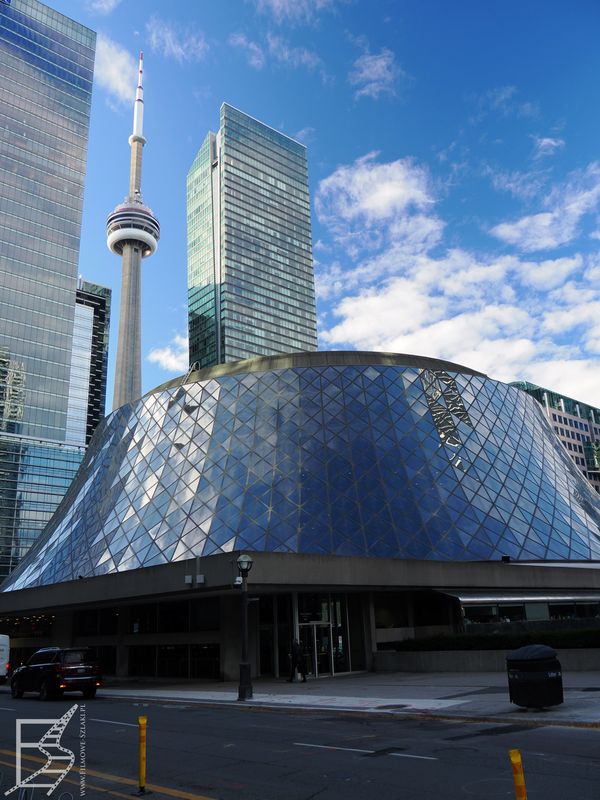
point(4, 656)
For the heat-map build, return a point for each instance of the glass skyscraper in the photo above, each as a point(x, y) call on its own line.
point(46, 70)
point(250, 269)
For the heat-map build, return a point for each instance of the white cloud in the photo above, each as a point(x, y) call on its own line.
point(371, 207)
point(254, 53)
point(497, 338)
point(549, 274)
point(392, 286)
point(382, 209)
point(331, 281)
point(115, 69)
point(284, 53)
point(280, 52)
point(372, 190)
point(305, 135)
point(546, 146)
point(174, 42)
point(504, 101)
point(375, 74)
point(573, 377)
point(592, 274)
point(583, 317)
point(566, 204)
point(172, 358)
point(524, 185)
point(103, 6)
point(404, 317)
point(406, 242)
point(378, 319)
point(294, 11)
point(536, 231)
point(500, 98)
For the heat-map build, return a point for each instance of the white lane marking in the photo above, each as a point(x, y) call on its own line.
point(407, 755)
point(331, 747)
point(7, 709)
point(356, 750)
point(112, 722)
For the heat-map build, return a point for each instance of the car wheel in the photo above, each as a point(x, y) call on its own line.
point(15, 690)
point(89, 693)
point(46, 692)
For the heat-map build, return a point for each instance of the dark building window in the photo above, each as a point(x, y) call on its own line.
point(205, 661)
point(142, 660)
point(107, 658)
point(172, 661)
point(391, 610)
point(143, 619)
point(108, 621)
point(173, 617)
point(205, 614)
point(85, 622)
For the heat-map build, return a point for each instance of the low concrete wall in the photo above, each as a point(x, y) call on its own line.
point(571, 660)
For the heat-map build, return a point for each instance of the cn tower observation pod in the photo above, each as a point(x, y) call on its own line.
point(132, 223)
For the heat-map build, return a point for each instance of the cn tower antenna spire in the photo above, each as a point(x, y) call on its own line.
point(138, 106)
point(132, 232)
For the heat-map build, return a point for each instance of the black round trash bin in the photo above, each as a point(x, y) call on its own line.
point(534, 677)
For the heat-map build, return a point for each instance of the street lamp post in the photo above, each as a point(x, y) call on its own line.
point(244, 564)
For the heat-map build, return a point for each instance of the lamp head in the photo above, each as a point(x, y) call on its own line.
point(244, 564)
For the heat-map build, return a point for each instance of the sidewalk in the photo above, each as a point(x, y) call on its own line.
point(472, 696)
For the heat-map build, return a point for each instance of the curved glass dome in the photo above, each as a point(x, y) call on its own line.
point(363, 454)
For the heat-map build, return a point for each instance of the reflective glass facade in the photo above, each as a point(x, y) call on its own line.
point(250, 269)
point(46, 67)
point(334, 454)
point(33, 480)
point(81, 356)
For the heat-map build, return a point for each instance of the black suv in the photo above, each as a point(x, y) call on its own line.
point(54, 670)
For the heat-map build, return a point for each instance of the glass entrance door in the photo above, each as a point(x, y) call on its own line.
point(316, 642)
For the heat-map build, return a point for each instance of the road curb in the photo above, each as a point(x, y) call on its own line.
point(252, 705)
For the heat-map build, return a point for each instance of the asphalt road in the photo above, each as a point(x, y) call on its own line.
point(224, 753)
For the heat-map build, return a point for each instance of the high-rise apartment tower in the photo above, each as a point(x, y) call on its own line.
point(250, 269)
point(576, 424)
point(132, 232)
point(89, 361)
point(46, 69)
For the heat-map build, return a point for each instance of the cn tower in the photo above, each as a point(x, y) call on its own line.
point(132, 232)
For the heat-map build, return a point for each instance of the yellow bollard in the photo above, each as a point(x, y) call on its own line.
point(517, 772)
point(142, 722)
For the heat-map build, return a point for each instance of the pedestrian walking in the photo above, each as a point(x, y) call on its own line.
point(297, 662)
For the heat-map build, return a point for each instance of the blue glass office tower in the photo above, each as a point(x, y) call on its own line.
point(250, 269)
point(46, 69)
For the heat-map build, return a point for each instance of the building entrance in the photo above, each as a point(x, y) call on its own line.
point(329, 627)
point(317, 647)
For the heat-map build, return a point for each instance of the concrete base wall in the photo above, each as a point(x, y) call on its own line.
point(473, 660)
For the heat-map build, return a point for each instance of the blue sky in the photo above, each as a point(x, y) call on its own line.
point(454, 158)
